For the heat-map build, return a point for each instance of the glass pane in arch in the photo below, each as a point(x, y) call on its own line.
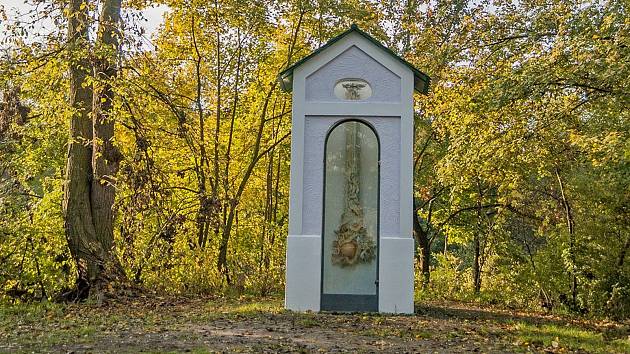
point(350, 243)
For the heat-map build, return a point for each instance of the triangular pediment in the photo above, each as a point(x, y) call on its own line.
point(421, 80)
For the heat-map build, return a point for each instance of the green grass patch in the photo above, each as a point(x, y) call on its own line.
point(267, 305)
point(246, 305)
point(569, 337)
point(307, 321)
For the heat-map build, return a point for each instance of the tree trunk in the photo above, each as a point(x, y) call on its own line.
point(422, 238)
point(206, 205)
point(105, 156)
point(477, 248)
point(79, 228)
point(91, 160)
point(232, 204)
point(622, 255)
point(571, 230)
point(222, 265)
point(226, 231)
point(476, 268)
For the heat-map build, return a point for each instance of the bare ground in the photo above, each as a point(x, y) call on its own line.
point(255, 325)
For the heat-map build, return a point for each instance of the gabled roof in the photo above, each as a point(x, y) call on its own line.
point(420, 79)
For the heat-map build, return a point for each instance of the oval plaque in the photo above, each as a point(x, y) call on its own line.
point(353, 89)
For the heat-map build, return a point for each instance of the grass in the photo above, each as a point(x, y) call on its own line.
point(569, 337)
point(249, 324)
point(247, 306)
point(21, 323)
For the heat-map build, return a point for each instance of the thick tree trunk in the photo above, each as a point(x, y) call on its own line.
point(92, 159)
point(79, 226)
point(105, 156)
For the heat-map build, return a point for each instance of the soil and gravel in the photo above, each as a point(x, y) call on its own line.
point(254, 325)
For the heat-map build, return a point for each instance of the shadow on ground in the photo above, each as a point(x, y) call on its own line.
point(261, 325)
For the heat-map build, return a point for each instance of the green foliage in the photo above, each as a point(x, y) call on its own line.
point(533, 118)
point(33, 254)
point(449, 280)
point(522, 149)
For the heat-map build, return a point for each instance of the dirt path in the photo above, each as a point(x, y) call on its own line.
point(201, 326)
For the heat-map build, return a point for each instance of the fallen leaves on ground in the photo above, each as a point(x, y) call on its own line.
point(247, 324)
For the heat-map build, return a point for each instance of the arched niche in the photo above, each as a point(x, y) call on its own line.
point(350, 218)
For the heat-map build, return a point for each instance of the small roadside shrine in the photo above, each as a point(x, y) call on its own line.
point(350, 245)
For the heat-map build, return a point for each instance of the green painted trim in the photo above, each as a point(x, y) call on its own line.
point(349, 303)
point(421, 80)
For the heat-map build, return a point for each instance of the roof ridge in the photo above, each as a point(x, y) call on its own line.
point(285, 77)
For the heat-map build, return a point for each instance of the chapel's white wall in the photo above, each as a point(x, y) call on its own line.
point(303, 277)
point(388, 130)
point(303, 274)
point(353, 63)
point(396, 275)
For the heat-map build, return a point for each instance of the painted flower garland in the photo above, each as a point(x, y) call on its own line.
point(353, 245)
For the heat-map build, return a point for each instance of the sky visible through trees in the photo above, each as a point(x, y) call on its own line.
point(138, 155)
